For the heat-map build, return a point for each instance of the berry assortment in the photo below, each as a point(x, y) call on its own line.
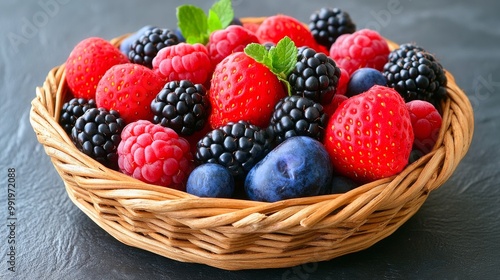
point(269, 111)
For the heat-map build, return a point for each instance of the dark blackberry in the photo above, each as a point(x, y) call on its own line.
point(73, 109)
point(181, 106)
point(237, 146)
point(314, 76)
point(297, 116)
point(97, 134)
point(416, 74)
point(328, 24)
point(144, 49)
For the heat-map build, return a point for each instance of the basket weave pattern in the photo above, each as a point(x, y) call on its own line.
point(237, 234)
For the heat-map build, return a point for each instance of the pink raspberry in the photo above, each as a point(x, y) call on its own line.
point(426, 122)
point(154, 154)
point(183, 62)
point(223, 42)
point(363, 48)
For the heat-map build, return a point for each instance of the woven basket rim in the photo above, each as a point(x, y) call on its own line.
point(187, 228)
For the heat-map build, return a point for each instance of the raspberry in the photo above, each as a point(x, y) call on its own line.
point(73, 109)
point(314, 76)
point(328, 24)
point(426, 122)
point(144, 49)
point(416, 74)
point(337, 99)
point(343, 82)
point(363, 48)
point(87, 63)
point(154, 154)
point(129, 89)
point(224, 42)
point(183, 62)
point(182, 106)
point(97, 134)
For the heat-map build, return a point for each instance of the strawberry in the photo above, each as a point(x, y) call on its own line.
point(87, 63)
point(129, 89)
point(247, 85)
point(243, 89)
point(275, 28)
point(370, 135)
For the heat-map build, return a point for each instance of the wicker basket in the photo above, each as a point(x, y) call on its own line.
point(237, 234)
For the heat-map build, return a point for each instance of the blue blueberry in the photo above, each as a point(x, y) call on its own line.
point(415, 155)
point(127, 42)
point(178, 32)
point(363, 79)
point(210, 180)
point(341, 184)
point(298, 167)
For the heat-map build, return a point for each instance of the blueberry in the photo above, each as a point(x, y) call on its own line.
point(127, 42)
point(363, 79)
point(341, 184)
point(415, 155)
point(178, 32)
point(298, 167)
point(210, 180)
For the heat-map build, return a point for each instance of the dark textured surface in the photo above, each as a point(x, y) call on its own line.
point(455, 235)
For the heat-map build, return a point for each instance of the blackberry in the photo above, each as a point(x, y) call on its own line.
point(236, 145)
point(297, 116)
point(416, 74)
point(144, 49)
point(314, 76)
point(328, 24)
point(97, 134)
point(73, 109)
point(181, 106)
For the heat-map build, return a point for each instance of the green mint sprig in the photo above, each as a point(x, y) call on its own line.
point(280, 59)
point(196, 26)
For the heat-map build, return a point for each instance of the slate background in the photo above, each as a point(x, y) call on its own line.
point(455, 235)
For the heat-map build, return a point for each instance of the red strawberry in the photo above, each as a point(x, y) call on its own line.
point(129, 89)
point(233, 38)
point(275, 28)
point(370, 136)
point(243, 89)
point(87, 63)
point(183, 62)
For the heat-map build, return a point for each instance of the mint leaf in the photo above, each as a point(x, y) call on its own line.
point(196, 26)
point(257, 52)
point(213, 22)
point(280, 59)
point(284, 56)
point(224, 10)
point(192, 22)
